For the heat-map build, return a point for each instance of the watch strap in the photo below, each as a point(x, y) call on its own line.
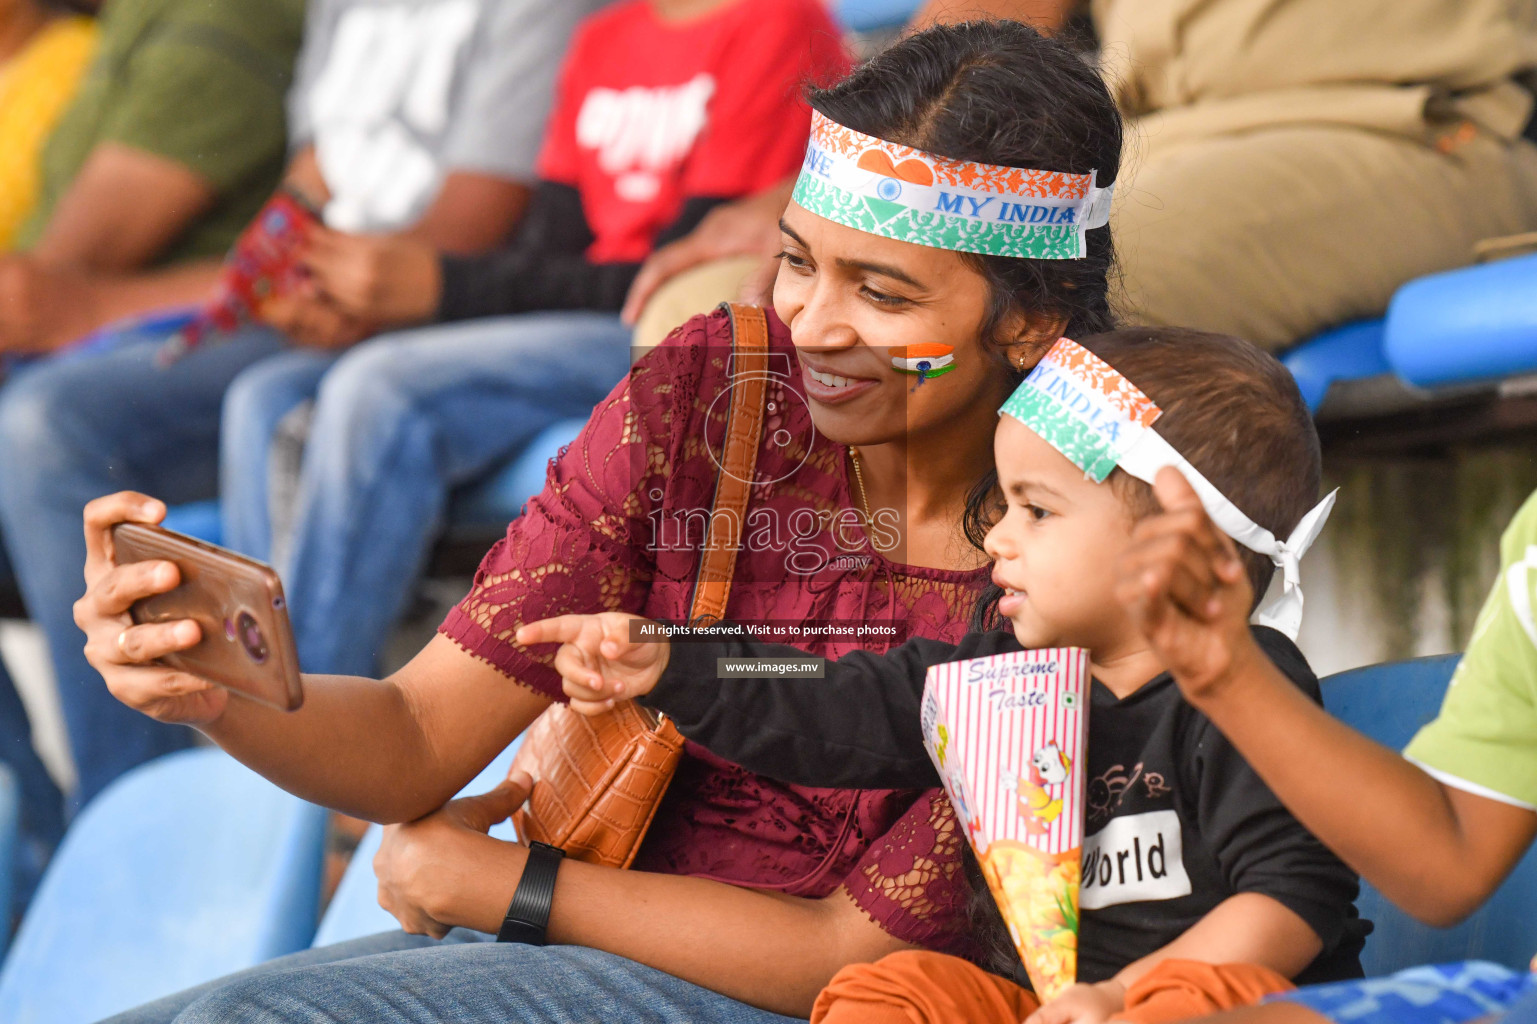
point(528, 915)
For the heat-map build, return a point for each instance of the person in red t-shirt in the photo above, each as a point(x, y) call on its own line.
point(664, 109)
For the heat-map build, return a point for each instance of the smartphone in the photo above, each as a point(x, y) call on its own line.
point(247, 644)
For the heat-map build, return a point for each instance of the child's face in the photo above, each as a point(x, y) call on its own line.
point(1056, 547)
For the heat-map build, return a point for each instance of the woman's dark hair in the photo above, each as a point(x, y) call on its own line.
point(1000, 93)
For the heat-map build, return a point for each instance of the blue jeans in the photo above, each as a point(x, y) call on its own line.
point(395, 978)
point(73, 429)
point(399, 422)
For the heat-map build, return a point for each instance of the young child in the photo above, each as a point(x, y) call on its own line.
point(1078, 552)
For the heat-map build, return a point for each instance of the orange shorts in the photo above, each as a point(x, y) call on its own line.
point(918, 987)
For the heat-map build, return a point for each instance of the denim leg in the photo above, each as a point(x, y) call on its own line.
point(164, 1010)
point(470, 983)
point(253, 406)
point(399, 422)
point(71, 431)
point(41, 821)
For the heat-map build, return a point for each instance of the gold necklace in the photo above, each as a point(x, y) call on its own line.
point(864, 496)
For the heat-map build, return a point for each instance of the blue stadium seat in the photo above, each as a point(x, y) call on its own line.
point(10, 808)
point(1352, 352)
point(874, 15)
point(1467, 326)
point(486, 505)
point(354, 910)
point(181, 871)
point(1390, 703)
point(498, 499)
point(198, 519)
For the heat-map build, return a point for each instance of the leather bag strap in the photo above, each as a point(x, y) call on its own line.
point(738, 463)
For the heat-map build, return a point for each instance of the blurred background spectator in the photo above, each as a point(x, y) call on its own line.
point(421, 116)
point(44, 50)
point(172, 143)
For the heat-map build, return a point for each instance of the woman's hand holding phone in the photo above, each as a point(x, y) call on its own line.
point(125, 653)
point(599, 661)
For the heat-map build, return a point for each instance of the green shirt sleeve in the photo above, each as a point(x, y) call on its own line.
point(1485, 739)
point(202, 95)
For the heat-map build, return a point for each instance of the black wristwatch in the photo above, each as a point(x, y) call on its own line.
point(529, 913)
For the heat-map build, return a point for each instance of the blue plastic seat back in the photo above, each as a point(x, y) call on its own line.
point(874, 15)
point(1465, 326)
point(1352, 352)
point(10, 811)
point(354, 910)
point(1390, 703)
point(498, 499)
point(181, 871)
point(198, 519)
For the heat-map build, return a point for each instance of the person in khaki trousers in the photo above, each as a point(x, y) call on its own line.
point(1290, 163)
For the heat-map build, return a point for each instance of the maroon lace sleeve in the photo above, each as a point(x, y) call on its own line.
point(583, 544)
point(911, 880)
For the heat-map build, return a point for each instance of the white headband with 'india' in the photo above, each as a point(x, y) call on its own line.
point(1088, 411)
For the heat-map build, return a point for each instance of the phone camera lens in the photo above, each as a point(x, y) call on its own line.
point(251, 637)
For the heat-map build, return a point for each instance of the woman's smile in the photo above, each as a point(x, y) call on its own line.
point(830, 388)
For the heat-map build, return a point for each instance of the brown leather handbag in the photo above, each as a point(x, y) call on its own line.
point(598, 780)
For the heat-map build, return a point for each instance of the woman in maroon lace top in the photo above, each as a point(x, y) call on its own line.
point(748, 894)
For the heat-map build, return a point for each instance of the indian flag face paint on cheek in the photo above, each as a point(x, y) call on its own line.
point(923, 361)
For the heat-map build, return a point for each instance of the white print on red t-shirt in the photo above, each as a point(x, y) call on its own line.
point(379, 100)
point(1133, 860)
point(641, 132)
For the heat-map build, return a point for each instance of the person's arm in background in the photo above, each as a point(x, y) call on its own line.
point(201, 120)
point(395, 280)
point(471, 212)
point(124, 208)
point(1435, 850)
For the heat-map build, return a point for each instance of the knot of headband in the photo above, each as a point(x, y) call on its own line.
point(879, 187)
point(1088, 411)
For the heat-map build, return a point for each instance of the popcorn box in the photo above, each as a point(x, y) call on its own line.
point(1008, 735)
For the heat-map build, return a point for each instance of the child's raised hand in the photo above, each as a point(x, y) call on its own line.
point(1083, 1004)
point(1184, 585)
point(598, 661)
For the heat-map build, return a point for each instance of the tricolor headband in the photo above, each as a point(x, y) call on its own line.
point(1089, 412)
point(899, 192)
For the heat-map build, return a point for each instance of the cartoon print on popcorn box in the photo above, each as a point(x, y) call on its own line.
point(1008, 734)
point(1038, 806)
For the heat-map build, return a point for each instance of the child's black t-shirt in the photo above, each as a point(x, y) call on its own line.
point(1176, 821)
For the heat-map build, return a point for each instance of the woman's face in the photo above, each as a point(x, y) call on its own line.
point(851, 298)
